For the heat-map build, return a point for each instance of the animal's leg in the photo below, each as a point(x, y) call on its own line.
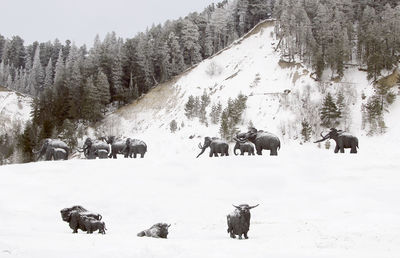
point(75, 231)
point(142, 155)
point(342, 149)
point(353, 149)
point(241, 152)
point(215, 154)
point(211, 154)
point(336, 149)
point(259, 151)
point(134, 155)
point(245, 236)
point(232, 235)
point(114, 155)
point(273, 152)
point(240, 236)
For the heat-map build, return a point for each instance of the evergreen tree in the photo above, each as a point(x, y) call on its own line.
point(48, 79)
point(329, 112)
point(173, 126)
point(176, 62)
point(91, 108)
point(306, 131)
point(190, 39)
point(103, 88)
point(189, 107)
point(37, 74)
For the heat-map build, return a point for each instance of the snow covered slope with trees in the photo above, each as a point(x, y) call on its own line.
point(280, 96)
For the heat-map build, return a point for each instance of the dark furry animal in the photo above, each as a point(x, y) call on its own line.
point(74, 218)
point(92, 224)
point(239, 221)
point(159, 230)
point(343, 140)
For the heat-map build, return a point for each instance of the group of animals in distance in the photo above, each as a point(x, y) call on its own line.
point(79, 218)
point(258, 140)
point(55, 149)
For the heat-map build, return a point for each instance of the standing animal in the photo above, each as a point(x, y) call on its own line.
point(90, 147)
point(243, 147)
point(239, 221)
point(102, 154)
point(262, 140)
point(159, 230)
point(74, 217)
point(134, 147)
point(47, 147)
point(343, 140)
point(216, 146)
point(117, 146)
point(56, 154)
point(92, 224)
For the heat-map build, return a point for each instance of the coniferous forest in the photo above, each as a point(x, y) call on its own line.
point(73, 84)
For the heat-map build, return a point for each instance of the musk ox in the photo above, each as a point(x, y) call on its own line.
point(239, 221)
point(92, 224)
point(159, 230)
point(74, 216)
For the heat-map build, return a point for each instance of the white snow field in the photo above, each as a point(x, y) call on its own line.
point(313, 203)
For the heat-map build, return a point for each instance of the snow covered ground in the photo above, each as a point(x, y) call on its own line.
point(313, 203)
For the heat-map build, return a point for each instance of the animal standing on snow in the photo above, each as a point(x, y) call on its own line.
point(90, 148)
point(216, 146)
point(343, 140)
point(56, 154)
point(47, 148)
point(92, 224)
point(134, 147)
point(159, 230)
point(74, 217)
point(243, 147)
point(239, 221)
point(262, 140)
point(117, 146)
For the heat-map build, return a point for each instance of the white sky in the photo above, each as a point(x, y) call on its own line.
point(81, 20)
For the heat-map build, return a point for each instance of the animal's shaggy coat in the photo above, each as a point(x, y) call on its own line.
point(159, 230)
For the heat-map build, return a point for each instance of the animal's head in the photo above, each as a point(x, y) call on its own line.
point(244, 208)
point(207, 143)
point(332, 134)
point(88, 143)
point(163, 229)
point(66, 213)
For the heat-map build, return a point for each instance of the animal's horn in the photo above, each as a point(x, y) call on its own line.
point(237, 207)
point(168, 225)
point(251, 207)
point(200, 146)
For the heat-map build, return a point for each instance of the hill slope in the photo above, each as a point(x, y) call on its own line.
point(280, 95)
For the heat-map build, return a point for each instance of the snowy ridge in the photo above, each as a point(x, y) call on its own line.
point(15, 108)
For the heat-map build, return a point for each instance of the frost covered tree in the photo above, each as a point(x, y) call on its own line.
point(329, 112)
point(48, 80)
point(190, 39)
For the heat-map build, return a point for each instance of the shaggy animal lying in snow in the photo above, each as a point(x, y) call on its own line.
point(159, 230)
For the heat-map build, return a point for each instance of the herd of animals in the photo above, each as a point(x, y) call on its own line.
point(248, 142)
point(79, 218)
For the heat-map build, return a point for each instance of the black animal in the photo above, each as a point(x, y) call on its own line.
point(92, 224)
point(216, 146)
point(102, 154)
point(159, 230)
point(74, 216)
point(243, 147)
point(134, 147)
point(239, 221)
point(90, 148)
point(48, 146)
point(343, 140)
point(262, 140)
point(117, 146)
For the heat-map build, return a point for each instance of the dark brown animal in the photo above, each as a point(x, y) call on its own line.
point(159, 230)
point(74, 216)
point(239, 221)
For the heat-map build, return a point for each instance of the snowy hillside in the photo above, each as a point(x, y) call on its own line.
point(15, 109)
point(280, 94)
